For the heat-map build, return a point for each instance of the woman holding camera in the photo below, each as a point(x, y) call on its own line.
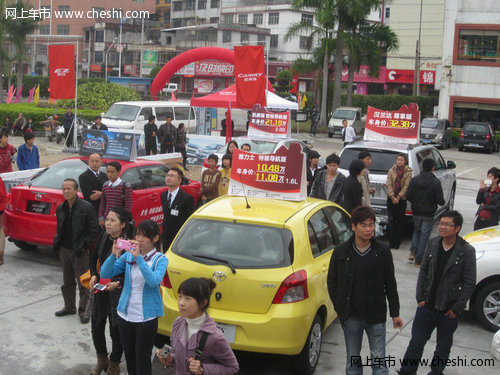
point(488, 199)
point(140, 305)
point(105, 301)
point(194, 332)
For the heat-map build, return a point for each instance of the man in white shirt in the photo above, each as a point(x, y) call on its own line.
point(348, 133)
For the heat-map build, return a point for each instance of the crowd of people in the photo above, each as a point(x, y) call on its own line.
point(96, 236)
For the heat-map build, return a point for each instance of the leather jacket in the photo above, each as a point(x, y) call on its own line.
point(84, 227)
point(458, 280)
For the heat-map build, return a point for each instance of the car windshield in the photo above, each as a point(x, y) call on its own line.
point(382, 160)
point(344, 114)
point(433, 124)
point(122, 112)
point(258, 147)
point(242, 245)
point(476, 128)
point(53, 176)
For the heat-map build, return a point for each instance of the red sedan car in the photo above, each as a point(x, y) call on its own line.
point(30, 214)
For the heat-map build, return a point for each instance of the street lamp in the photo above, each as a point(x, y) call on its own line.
point(106, 58)
point(121, 47)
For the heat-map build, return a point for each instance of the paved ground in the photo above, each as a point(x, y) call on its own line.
point(34, 341)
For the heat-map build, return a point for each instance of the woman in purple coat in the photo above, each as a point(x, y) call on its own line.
point(188, 329)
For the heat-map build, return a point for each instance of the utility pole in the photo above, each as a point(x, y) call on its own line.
point(416, 78)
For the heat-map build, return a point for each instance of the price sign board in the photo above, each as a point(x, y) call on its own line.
point(401, 126)
point(279, 176)
point(269, 124)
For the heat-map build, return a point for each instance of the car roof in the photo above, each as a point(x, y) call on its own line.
point(400, 147)
point(388, 146)
point(138, 162)
point(353, 108)
point(155, 103)
point(476, 123)
point(262, 210)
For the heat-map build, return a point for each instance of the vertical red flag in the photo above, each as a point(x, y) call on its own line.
point(229, 128)
point(295, 83)
point(249, 71)
point(62, 71)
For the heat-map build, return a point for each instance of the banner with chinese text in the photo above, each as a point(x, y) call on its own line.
point(278, 176)
point(269, 124)
point(251, 80)
point(401, 126)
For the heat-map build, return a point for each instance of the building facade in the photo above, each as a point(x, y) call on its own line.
point(469, 76)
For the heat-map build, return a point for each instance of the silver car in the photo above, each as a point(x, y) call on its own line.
point(383, 158)
point(437, 132)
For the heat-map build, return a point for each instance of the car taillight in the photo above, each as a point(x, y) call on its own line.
point(293, 288)
point(166, 281)
point(462, 135)
point(205, 163)
point(488, 137)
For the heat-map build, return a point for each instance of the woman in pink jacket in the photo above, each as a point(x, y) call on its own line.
point(188, 329)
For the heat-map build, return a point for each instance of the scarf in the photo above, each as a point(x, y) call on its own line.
point(397, 183)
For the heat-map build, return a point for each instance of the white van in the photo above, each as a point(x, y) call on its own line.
point(353, 116)
point(135, 114)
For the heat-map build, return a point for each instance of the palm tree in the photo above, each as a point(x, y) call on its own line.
point(366, 43)
point(17, 29)
point(321, 31)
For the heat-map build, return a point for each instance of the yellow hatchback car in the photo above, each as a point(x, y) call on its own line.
point(270, 262)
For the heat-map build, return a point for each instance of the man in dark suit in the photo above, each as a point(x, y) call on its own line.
point(98, 124)
point(177, 206)
point(91, 181)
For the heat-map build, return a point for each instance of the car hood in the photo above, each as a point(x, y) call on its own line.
point(485, 239)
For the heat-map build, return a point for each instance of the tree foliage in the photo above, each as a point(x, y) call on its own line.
point(95, 95)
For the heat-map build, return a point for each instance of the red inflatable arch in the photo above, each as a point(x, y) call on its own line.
point(196, 54)
point(163, 76)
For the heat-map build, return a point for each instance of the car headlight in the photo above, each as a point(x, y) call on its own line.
point(479, 254)
point(439, 136)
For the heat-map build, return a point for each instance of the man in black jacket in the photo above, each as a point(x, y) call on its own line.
point(91, 181)
point(177, 206)
point(76, 230)
point(424, 193)
point(445, 283)
point(360, 278)
point(98, 124)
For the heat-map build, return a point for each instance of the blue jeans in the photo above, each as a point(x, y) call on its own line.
point(422, 228)
point(426, 320)
point(353, 334)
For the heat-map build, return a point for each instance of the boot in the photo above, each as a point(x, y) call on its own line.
point(114, 368)
point(102, 364)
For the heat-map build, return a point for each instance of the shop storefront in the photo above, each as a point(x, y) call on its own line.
point(400, 82)
point(365, 84)
point(206, 76)
point(463, 109)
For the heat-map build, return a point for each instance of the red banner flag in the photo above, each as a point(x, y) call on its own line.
point(62, 71)
point(249, 70)
point(295, 83)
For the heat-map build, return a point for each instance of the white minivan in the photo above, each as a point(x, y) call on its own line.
point(135, 114)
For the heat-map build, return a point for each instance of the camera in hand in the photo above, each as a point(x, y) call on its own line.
point(124, 244)
point(166, 350)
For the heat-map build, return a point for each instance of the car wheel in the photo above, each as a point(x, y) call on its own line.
point(59, 139)
point(330, 135)
point(487, 306)
point(489, 150)
point(307, 359)
point(24, 245)
point(460, 149)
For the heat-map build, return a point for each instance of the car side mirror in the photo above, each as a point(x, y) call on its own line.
point(451, 165)
point(140, 118)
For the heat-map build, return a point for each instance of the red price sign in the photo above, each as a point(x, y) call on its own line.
point(273, 124)
point(280, 175)
point(401, 126)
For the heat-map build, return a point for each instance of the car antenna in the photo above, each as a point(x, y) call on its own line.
point(244, 193)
